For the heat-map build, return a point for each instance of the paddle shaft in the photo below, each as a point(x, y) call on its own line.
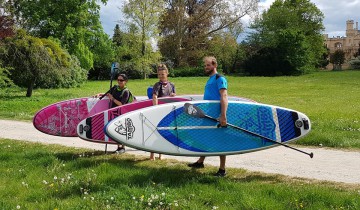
point(266, 138)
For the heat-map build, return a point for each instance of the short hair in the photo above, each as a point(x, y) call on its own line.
point(162, 67)
point(210, 58)
point(123, 76)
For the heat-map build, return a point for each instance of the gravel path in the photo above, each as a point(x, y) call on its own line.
point(327, 164)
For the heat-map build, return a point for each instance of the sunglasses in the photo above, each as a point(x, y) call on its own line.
point(121, 80)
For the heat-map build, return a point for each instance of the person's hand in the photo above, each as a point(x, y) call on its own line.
point(110, 96)
point(173, 94)
point(222, 120)
point(98, 95)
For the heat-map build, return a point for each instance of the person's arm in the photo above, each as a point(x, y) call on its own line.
point(224, 106)
point(155, 92)
point(173, 93)
point(117, 102)
point(155, 99)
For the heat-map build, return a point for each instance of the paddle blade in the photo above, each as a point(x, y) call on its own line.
point(193, 110)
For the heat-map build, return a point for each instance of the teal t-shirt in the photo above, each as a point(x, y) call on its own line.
point(213, 87)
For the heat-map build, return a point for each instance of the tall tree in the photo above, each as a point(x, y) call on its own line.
point(117, 37)
point(293, 29)
point(186, 26)
point(144, 15)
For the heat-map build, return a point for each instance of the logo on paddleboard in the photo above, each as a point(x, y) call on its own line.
point(126, 129)
point(191, 110)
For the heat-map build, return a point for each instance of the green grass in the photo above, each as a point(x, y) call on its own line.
point(36, 176)
point(330, 99)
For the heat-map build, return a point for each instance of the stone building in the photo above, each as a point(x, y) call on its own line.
point(350, 44)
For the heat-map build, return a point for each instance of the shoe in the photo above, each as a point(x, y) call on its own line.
point(196, 165)
point(120, 150)
point(220, 173)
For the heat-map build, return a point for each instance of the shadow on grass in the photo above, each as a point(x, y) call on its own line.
point(124, 172)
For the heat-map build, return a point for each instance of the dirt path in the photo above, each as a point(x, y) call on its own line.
point(331, 165)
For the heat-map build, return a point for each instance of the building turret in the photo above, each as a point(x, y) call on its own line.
point(350, 31)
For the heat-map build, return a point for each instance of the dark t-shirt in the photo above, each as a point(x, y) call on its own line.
point(163, 90)
point(121, 95)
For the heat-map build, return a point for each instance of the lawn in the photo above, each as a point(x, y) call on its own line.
point(330, 99)
point(36, 176)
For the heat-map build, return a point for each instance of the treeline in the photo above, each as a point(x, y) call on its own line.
point(62, 43)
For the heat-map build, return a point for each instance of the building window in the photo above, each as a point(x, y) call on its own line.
point(338, 45)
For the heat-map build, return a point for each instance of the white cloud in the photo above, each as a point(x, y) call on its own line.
point(110, 15)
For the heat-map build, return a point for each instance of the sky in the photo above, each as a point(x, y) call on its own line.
point(336, 12)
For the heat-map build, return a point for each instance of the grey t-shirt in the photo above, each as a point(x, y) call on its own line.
point(163, 89)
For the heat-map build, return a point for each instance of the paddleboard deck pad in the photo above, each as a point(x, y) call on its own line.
point(167, 129)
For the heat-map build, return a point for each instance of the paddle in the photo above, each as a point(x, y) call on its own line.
point(195, 111)
point(114, 69)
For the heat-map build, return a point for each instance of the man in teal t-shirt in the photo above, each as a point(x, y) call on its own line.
point(215, 89)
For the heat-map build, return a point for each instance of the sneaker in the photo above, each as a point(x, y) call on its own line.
point(120, 150)
point(196, 165)
point(220, 173)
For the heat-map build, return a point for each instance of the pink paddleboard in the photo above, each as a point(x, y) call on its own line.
point(61, 119)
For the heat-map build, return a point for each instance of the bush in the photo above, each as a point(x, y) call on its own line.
point(355, 63)
point(187, 72)
point(5, 81)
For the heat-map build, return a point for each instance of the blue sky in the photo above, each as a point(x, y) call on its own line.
point(336, 13)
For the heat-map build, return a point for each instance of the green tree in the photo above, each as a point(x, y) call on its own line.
point(142, 19)
point(75, 23)
point(40, 62)
point(337, 59)
point(224, 47)
point(5, 80)
point(130, 57)
point(118, 36)
point(104, 55)
point(293, 27)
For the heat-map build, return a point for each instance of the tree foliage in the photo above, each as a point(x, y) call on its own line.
point(186, 26)
point(75, 23)
point(142, 19)
point(130, 56)
point(337, 59)
point(39, 62)
point(224, 47)
point(291, 30)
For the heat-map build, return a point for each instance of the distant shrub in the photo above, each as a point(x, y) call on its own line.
point(355, 63)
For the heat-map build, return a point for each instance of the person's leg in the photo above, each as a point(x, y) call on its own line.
point(201, 159)
point(198, 164)
point(120, 149)
point(159, 156)
point(221, 172)
point(152, 156)
point(222, 162)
